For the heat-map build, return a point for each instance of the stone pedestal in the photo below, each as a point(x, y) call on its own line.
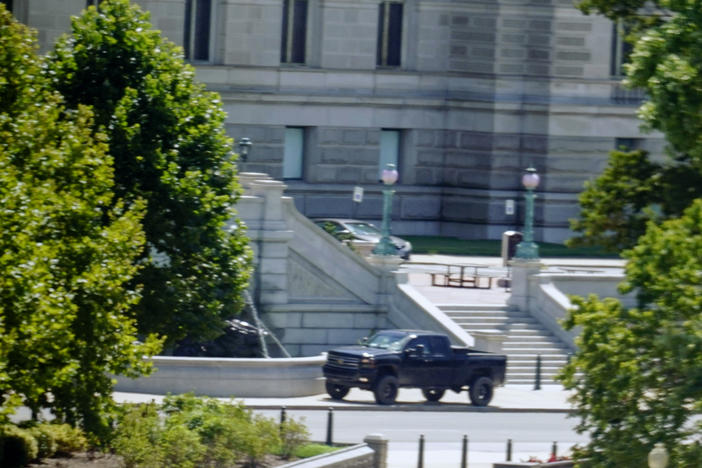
point(379, 444)
point(522, 270)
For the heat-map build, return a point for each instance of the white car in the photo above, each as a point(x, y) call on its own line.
point(344, 229)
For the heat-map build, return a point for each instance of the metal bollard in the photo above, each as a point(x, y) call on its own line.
point(537, 382)
point(554, 450)
point(283, 416)
point(420, 460)
point(330, 424)
point(464, 452)
point(509, 450)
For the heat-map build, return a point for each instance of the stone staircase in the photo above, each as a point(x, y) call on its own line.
point(525, 339)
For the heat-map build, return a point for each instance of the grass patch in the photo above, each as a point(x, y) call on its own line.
point(493, 248)
point(312, 450)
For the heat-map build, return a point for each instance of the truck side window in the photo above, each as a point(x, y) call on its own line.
point(424, 341)
point(439, 346)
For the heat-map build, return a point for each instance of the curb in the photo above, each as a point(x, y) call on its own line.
point(408, 408)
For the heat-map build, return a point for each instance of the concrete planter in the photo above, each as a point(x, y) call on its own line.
point(231, 377)
point(558, 464)
point(356, 456)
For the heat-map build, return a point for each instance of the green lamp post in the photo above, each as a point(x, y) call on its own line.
point(527, 249)
point(385, 245)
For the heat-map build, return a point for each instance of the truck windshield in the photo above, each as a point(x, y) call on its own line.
point(388, 340)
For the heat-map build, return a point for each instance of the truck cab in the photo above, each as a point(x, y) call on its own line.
point(392, 359)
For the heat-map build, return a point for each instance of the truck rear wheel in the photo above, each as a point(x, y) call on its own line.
point(433, 394)
point(385, 390)
point(336, 391)
point(480, 391)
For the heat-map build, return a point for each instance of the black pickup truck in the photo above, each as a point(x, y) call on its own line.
point(392, 359)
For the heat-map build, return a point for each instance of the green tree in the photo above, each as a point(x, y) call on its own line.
point(166, 136)
point(666, 64)
point(637, 375)
point(67, 250)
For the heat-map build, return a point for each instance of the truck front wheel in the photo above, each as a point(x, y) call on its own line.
point(433, 394)
point(480, 391)
point(385, 390)
point(337, 392)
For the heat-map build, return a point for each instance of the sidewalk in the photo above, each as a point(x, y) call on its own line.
point(510, 398)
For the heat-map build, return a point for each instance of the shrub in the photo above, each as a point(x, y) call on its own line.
point(293, 434)
point(66, 438)
point(137, 436)
point(17, 447)
point(257, 438)
point(213, 421)
point(181, 447)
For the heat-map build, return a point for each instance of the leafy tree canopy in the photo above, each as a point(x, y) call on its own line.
point(667, 65)
point(638, 372)
point(67, 251)
point(166, 136)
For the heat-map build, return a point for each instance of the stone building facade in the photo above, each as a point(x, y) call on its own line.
point(462, 95)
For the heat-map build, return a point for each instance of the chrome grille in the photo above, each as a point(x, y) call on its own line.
point(342, 361)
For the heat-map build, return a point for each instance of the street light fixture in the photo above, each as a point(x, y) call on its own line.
point(385, 245)
point(658, 457)
point(243, 147)
point(527, 249)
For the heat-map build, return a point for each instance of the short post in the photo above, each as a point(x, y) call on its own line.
point(330, 424)
point(379, 444)
point(283, 416)
point(554, 450)
point(420, 460)
point(464, 452)
point(537, 381)
point(509, 450)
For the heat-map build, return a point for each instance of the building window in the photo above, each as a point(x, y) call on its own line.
point(198, 21)
point(8, 4)
point(389, 34)
point(621, 48)
point(627, 144)
point(389, 149)
point(293, 155)
point(294, 35)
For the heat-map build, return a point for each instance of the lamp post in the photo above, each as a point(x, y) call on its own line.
point(243, 147)
point(527, 249)
point(385, 246)
point(658, 457)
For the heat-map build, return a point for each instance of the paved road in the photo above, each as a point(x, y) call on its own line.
point(531, 434)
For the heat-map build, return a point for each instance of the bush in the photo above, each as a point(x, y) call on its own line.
point(137, 436)
point(293, 435)
point(257, 438)
point(194, 432)
point(17, 447)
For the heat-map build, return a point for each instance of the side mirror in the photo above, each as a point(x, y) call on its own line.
point(363, 341)
point(415, 352)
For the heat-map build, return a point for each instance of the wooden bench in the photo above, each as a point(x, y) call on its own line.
point(461, 276)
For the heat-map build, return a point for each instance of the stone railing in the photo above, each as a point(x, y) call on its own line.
point(231, 377)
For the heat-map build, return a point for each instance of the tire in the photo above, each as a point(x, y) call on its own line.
point(480, 391)
point(433, 394)
point(336, 391)
point(385, 390)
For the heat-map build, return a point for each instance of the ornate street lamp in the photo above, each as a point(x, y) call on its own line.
point(243, 147)
point(385, 246)
point(658, 457)
point(527, 249)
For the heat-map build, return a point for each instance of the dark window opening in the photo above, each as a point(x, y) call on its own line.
point(294, 37)
point(198, 17)
point(389, 34)
point(621, 48)
point(8, 4)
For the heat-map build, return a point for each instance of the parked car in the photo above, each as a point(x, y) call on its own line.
point(392, 359)
point(350, 229)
